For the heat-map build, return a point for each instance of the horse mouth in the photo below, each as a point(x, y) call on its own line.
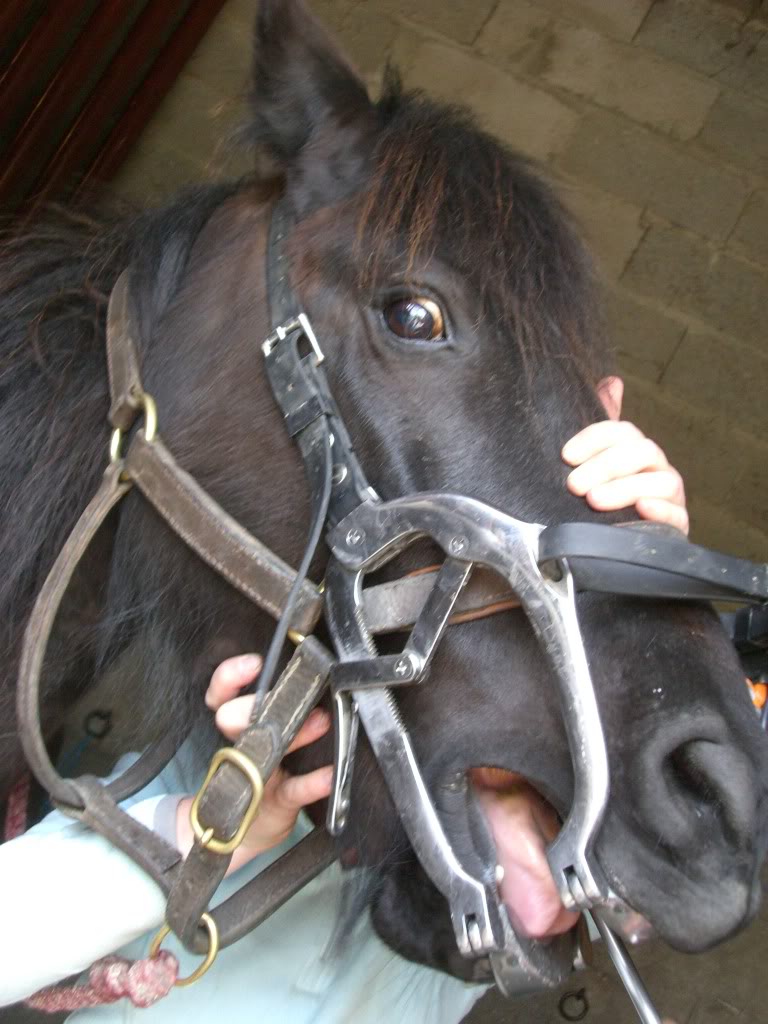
point(522, 824)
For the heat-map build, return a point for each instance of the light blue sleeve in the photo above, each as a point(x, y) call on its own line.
point(69, 897)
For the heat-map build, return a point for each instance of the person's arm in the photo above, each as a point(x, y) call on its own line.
point(69, 897)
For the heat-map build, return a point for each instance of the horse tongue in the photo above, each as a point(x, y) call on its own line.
point(522, 824)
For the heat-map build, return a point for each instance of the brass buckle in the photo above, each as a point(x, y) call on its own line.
point(210, 956)
point(252, 774)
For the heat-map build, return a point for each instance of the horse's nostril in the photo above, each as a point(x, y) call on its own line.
point(716, 780)
point(695, 788)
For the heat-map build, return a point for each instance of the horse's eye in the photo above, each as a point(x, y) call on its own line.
point(415, 319)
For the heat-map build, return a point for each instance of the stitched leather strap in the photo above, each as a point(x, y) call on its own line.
point(227, 795)
point(38, 632)
point(215, 536)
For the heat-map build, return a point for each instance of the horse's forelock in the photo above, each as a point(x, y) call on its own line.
point(447, 188)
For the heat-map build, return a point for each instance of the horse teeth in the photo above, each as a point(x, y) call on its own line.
point(499, 874)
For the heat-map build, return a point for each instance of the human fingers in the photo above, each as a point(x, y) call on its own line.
point(317, 724)
point(660, 511)
point(296, 791)
point(234, 716)
point(230, 677)
point(596, 438)
point(638, 455)
point(624, 492)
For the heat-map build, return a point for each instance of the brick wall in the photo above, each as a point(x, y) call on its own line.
point(653, 118)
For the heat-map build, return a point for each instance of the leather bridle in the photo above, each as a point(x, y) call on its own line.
point(518, 563)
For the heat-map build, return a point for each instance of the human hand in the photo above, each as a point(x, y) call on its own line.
point(618, 467)
point(284, 794)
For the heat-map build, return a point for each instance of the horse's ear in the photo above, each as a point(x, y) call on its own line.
point(311, 113)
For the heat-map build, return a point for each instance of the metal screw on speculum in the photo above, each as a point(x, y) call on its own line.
point(458, 545)
point(403, 668)
point(355, 537)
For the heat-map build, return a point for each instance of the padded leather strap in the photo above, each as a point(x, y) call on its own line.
point(391, 607)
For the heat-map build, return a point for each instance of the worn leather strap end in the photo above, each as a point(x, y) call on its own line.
point(122, 357)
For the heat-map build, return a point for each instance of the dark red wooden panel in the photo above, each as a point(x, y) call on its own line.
point(16, 21)
point(37, 137)
point(83, 79)
point(25, 77)
point(124, 75)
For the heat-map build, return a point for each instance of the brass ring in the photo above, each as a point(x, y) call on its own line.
point(150, 417)
point(115, 444)
point(146, 405)
point(210, 956)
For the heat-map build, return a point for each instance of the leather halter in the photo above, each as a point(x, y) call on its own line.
point(265, 579)
point(228, 799)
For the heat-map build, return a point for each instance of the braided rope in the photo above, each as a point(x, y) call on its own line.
point(144, 982)
point(16, 809)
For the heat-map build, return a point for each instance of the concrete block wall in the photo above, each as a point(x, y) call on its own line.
point(652, 116)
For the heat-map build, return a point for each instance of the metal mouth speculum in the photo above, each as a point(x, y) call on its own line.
point(362, 685)
point(481, 535)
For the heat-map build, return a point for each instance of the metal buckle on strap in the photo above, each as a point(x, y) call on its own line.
point(298, 323)
point(206, 835)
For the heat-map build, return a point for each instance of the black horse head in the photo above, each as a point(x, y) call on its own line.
point(454, 305)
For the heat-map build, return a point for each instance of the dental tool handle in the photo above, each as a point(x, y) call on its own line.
point(627, 971)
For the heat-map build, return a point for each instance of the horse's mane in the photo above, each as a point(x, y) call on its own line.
point(55, 281)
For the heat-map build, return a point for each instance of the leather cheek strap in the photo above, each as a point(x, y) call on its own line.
point(111, 490)
point(215, 536)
